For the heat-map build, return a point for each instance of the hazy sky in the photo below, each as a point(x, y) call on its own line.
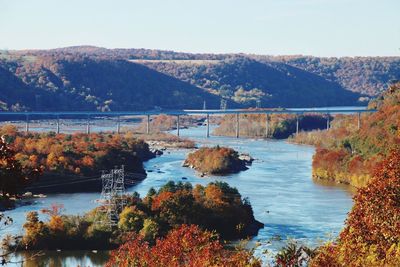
point(312, 27)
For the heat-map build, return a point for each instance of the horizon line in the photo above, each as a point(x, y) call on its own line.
point(199, 53)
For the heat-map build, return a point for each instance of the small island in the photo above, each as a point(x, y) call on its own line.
point(217, 161)
point(215, 207)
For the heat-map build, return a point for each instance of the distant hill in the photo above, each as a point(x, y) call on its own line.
point(245, 81)
point(95, 78)
point(366, 75)
point(82, 83)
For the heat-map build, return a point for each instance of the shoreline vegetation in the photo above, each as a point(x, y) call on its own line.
point(215, 207)
point(217, 161)
point(71, 162)
point(280, 126)
point(347, 155)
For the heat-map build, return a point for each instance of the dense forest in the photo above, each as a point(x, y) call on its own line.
point(247, 81)
point(93, 78)
point(366, 75)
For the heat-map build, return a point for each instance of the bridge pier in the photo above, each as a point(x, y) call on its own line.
point(88, 125)
point(328, 123)
point(118, 125)
point(358, 120)
point(58, 124)
point(148, 124)
point(208, 125)
point(27, 124)
point(297, 124)
point(177, 125)
point(266, 126)
point(237, 125)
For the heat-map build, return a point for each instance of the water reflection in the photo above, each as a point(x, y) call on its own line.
point(61, 259)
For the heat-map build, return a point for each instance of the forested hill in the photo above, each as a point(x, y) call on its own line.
point(366, 75)
point(94, 78)
point(82, 83)
point(245, 81)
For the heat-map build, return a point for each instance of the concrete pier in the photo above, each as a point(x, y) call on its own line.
point(237, 125)
point(177, 124)
point(208, 125)
point(328, 123)
point(58, 125)
point(148, 125)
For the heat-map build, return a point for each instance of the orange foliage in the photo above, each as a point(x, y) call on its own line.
point(76, 153)
point(159, 199)
point(186, 246)
point(372, 233)
point(215, 160)
point(349, 155)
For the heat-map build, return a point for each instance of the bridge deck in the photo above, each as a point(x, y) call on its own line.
point(195, 112)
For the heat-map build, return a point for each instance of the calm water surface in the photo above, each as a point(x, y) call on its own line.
point(278, 185)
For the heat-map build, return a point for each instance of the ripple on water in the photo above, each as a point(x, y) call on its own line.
point(278, 185)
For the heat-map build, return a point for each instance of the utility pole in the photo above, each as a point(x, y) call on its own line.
point(224, 104)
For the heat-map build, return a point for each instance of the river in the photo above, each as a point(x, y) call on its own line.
point(278, 184)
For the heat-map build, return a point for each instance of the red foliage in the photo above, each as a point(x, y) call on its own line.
point(186, 246)
point(372, 233)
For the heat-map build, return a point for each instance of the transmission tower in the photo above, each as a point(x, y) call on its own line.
point(223, 104)
point(112, 194)
point(258, 103)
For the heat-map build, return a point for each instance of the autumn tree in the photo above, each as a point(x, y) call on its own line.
point(12, 175)
point(187, 245)
point(372, 233)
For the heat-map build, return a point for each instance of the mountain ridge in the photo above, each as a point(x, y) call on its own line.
point(75, 78)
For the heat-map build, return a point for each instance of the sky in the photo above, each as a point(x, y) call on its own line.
point(269, 27)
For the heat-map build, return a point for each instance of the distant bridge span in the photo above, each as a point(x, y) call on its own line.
point(206, 112)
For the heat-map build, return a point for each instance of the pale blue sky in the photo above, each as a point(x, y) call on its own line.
point(312, 27)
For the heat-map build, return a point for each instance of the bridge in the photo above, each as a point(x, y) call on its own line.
point(190, 112)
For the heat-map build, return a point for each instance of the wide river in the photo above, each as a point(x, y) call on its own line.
point(278, 184)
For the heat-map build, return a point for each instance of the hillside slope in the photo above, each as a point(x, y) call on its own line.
point(366, 75)
point(95, 78)
point(245, 81)
point(82, 83)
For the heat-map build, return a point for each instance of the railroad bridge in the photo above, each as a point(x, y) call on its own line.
point(188, 112)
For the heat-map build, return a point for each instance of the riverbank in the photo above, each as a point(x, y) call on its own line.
point(151, 217)
point(278, 185)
